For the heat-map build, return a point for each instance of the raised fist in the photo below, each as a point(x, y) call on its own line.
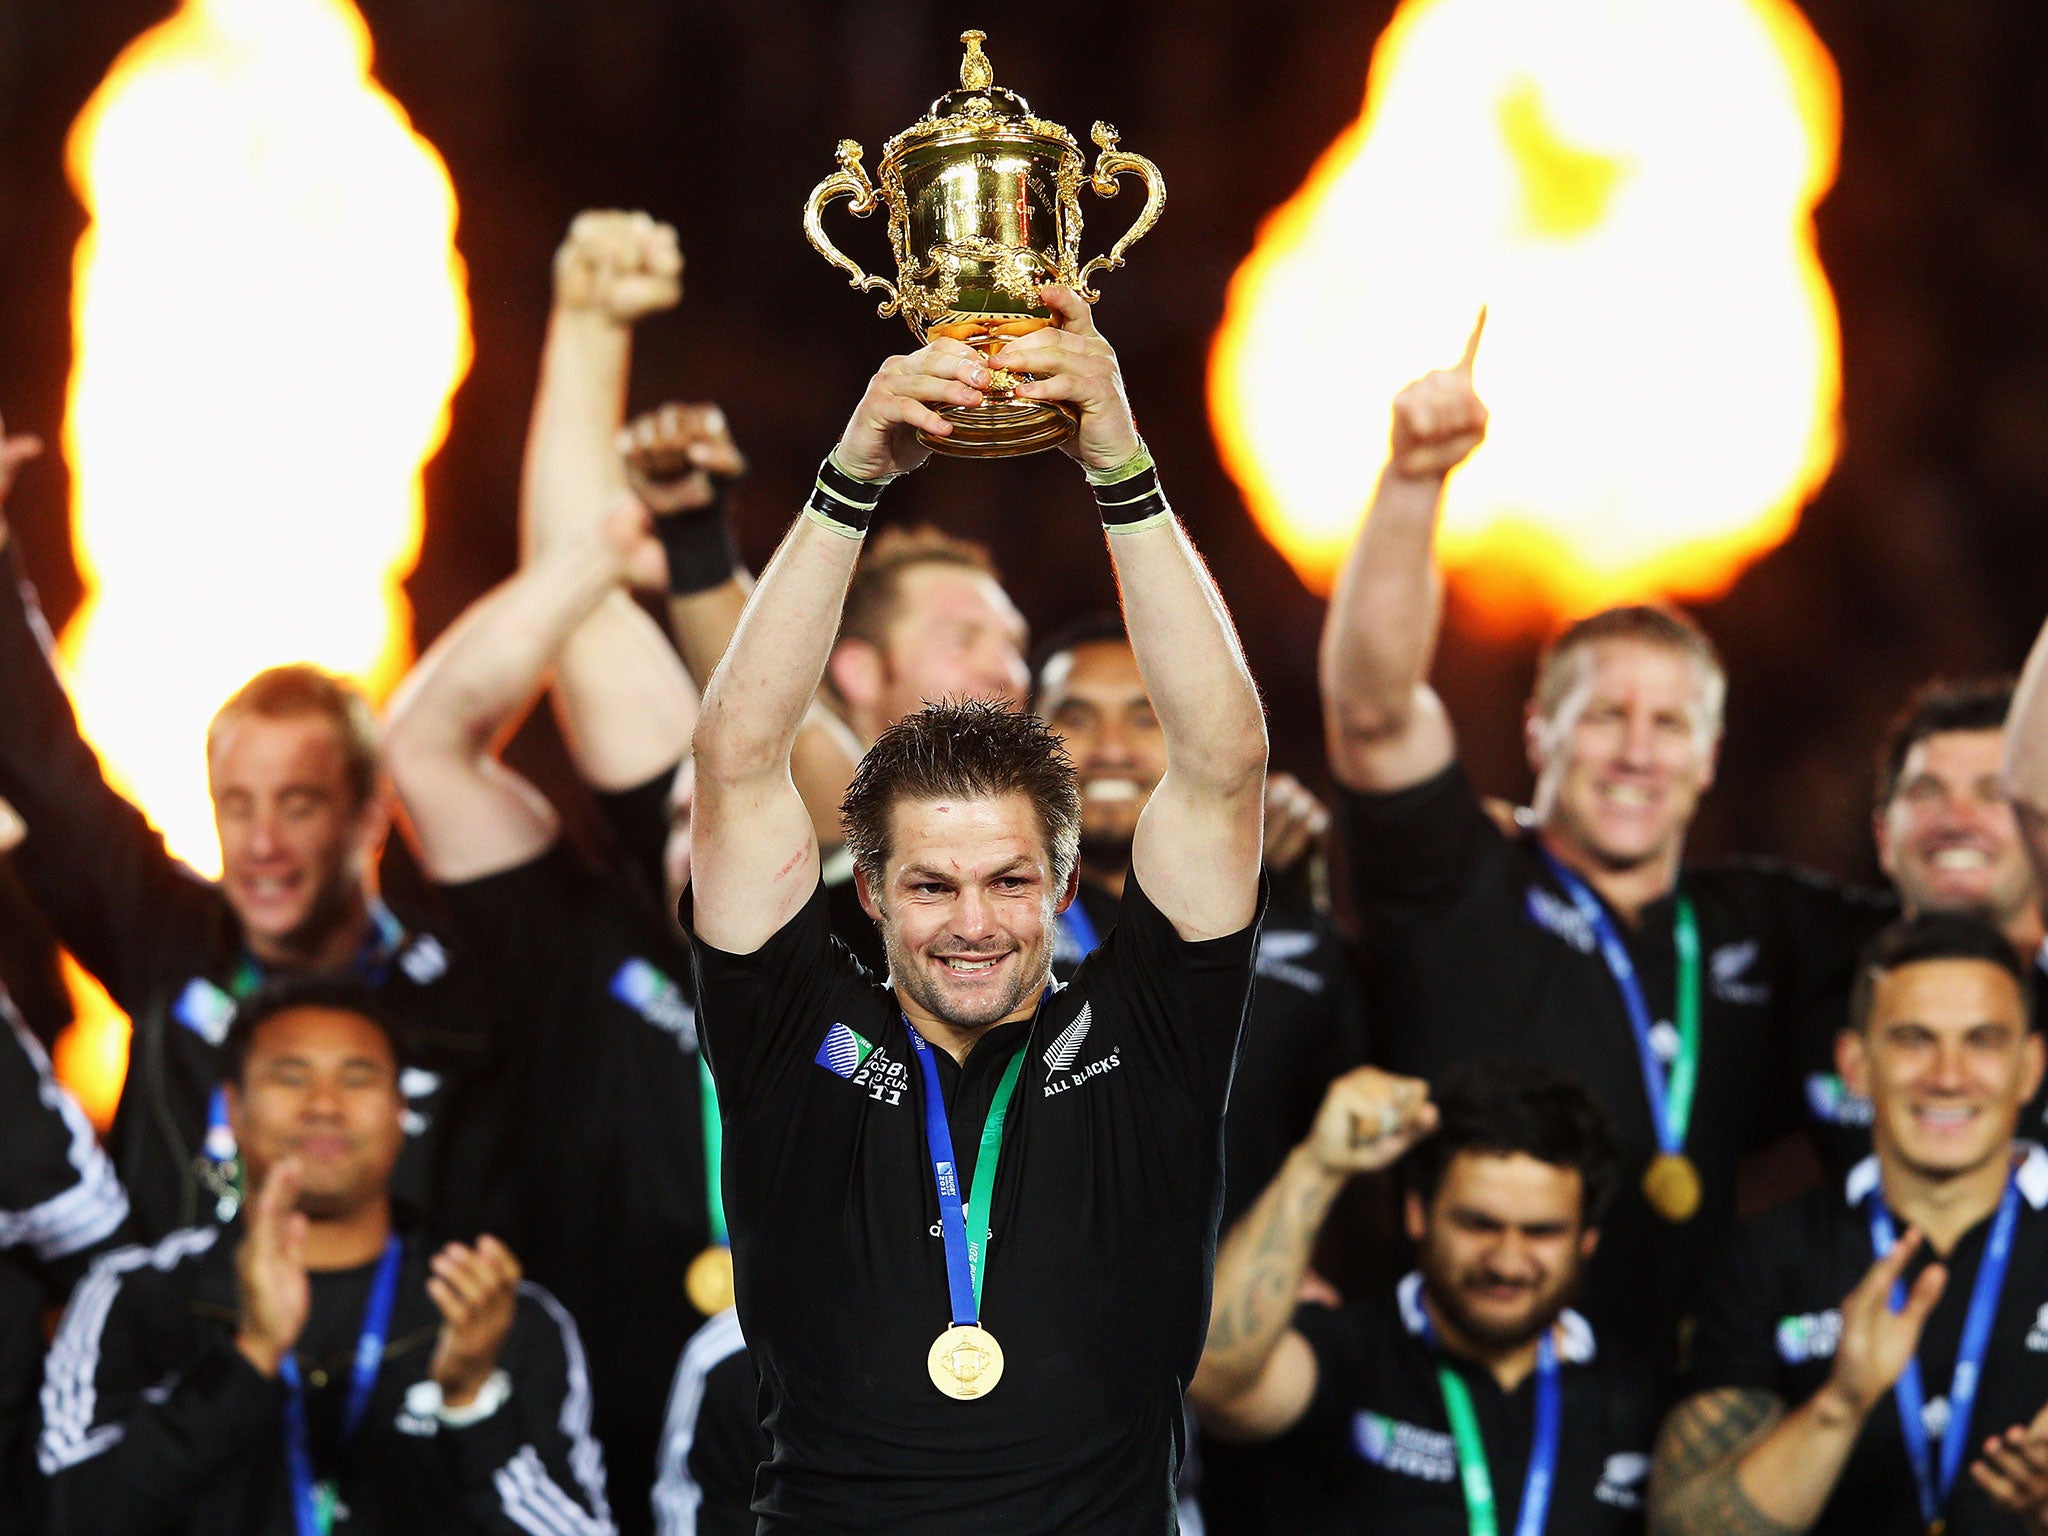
point(624, 266)
point(677, 457)
point(1439, 419)
point(1368, 1119)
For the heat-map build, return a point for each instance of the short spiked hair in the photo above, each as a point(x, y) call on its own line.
point(966, 748)
point(1557, 669)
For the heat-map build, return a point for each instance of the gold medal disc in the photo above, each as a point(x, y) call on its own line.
point(965, 1362)
point(708, 1280)
point(1672, 1186)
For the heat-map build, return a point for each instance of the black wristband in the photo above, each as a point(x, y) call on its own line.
point(1130, 502)
point(699, 546)
point(842, 501)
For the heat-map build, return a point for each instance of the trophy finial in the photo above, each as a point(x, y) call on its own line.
point(976, 74)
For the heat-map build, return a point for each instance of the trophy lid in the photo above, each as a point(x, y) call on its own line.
point(978, 95)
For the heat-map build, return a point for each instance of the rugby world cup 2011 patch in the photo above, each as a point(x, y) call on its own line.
point(843, 1051)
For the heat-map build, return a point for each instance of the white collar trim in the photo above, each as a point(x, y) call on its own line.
point(2032, 1176)
point(1575, 1342)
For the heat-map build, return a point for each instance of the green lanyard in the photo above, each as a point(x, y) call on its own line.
point(985, 1160)
point(1685, 1071)
point(1482, 1517)
point(1472, 1468)
point(714, 1152)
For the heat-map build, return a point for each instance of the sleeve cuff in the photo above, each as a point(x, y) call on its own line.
point(491, 1396)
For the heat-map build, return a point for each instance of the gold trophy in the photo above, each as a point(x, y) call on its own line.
point(984, 206)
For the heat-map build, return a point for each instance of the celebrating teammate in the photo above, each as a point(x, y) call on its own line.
point(1871, 1358)
point(1580, 942)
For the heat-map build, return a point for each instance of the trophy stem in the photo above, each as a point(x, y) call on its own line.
point(1003, 429)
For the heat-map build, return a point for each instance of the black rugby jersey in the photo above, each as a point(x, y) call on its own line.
point(1375, 1453)
point(1305, 1028)
point(1102, 1231)
point(606, 1100)
point(1770, 1314)
point(1471, 948)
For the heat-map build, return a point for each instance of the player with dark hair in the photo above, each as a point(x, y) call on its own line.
point(317, 1354)
point(973, 1215)
point(1872, 1357)
point(1949, 840)
point(1471, 1397)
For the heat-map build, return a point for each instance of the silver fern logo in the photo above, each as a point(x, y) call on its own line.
point(1061, 1053)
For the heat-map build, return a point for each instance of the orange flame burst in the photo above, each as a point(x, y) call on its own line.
point(1629, 184)
point(270, 319)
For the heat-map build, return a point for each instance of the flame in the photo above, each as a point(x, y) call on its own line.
point(270, 319)
point(1629, 185)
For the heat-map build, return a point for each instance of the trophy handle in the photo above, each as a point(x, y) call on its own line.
point(1109, 165)
point(849, 181)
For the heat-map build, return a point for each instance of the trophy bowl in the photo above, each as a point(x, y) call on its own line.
point(984, 207)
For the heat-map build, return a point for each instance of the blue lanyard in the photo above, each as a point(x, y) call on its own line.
point(1962, 1392)
point(1080, 927)
point(964, 1227)
point(1543, 1449)
point(312, 1503)
point(1670, 1130)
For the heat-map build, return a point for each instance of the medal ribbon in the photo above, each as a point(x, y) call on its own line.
point(1481, 1515)
point(1671, 1098)
point(714, 1154)
point(313, 1502)
point(965, 1229)
point(1909, 1393)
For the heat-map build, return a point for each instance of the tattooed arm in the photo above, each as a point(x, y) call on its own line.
point(1258, 1375)
point(1695, 1482)
point(1733, 1462)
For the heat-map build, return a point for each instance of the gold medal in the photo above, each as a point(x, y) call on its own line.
point(965, 1362)
point(1672, 1186)
point(708, 1280)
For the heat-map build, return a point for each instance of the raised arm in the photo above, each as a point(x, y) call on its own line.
point(679, 460)
point(471, 814)
point(624, 704)
point(1197, 846)
point(1385, 726)
point(1733, 1462)
point(754, 859)
point(98, 871)
point(1258, 1375)
point(2026, 756)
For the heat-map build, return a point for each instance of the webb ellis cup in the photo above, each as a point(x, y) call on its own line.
point(984, 206)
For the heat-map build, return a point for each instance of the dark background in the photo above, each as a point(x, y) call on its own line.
point(1921, 555)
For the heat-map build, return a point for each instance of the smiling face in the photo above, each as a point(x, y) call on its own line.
point(966, 906)
point(1502, 1245)
point(320, 1085)
point(296, 846)
point(1622, 759)
point(1948, 838)
point(1947, 1062)
point(1094, 697)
